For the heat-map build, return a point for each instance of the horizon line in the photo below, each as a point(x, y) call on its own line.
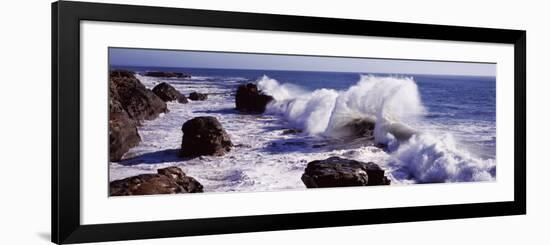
point(192, 67)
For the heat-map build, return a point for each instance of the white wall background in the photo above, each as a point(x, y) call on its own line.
point(25, 121)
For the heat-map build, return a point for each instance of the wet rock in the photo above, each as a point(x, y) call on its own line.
point(361, 127)
point(357, 128)
point(204, 136)
point(198, 96)
point(182, 99)
point(123, 133)
point(167, 92)
point(122, 73)
point(250, 99)
point(340, 172)
point(171, 180)
point(139, 102)
point(166, 74)
point(292, 131)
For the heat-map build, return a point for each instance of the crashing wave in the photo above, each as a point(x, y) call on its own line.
point(429, 158)
point(390, 104)
point(386, 101)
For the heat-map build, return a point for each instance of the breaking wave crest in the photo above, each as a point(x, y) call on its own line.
point(385, 101)
point(392, 104)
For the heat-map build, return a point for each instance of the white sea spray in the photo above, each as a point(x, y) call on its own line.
point(264, 159)
point(393, 103)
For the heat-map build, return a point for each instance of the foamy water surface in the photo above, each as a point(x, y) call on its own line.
point(266, 159)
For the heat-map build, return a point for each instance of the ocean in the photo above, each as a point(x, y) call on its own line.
point(454, 115)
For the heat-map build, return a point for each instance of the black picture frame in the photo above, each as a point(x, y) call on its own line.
point(66, 18)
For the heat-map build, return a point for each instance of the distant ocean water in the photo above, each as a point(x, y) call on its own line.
point(457, 115)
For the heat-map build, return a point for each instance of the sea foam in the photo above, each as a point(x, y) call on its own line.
point(384, 100)
point(393, 103)
point(429, 158)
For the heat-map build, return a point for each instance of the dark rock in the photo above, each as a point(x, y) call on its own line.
point(318, 145)
point(364, 128)
point(340, 172)
point(204, 136)
point(182, 99)
point(122, 73)
point(250, 99)
point(169, 180)
point(139, 102)
point(292, 131)
point(166, 92)
point(123, 133)
point(198, 96)
point(357, 128)
point(166, 74)
point(361, 127)
point(129, 102)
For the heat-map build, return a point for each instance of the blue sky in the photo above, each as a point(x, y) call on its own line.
point(172, 58)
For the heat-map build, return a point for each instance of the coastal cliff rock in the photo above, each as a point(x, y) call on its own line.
point(139, 102)
point(250, 99)
point(167, 92)
point(169, 180)
point(166, 74)
point(204, 136)
point(340, 172)
point(123, 133)
point(129, 102)
point(197, 96)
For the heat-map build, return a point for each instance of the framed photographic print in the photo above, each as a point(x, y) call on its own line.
point(175, 122)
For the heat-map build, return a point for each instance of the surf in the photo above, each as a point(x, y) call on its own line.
point(392, 105)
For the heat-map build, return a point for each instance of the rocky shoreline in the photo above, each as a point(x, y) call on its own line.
point(131, 103)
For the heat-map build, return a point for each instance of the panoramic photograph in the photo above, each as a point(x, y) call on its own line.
point(214, 122)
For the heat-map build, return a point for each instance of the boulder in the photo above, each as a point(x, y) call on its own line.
point(364, 127)
point(198, 96)
point(167, 92)
point(250, 99)
point(123, 133)
point(340, 172)
point(204, 136)
point(359, 128)
point(356, 128)
point(139, 102)
point(166, 74)
point(169, 180)
point(182, 99)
